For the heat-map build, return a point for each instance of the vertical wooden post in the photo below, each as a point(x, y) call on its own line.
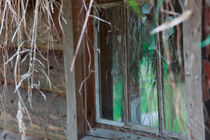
point(68, 52)
point(192, 55)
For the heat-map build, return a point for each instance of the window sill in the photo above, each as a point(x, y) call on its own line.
point(106, 134)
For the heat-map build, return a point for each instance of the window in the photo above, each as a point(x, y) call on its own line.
point(140, 81)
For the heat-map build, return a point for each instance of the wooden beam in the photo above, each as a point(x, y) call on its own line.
point(78, 20)
point(192, 57)
point(68, 52)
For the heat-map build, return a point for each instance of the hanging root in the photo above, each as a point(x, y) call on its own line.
point(16, 29)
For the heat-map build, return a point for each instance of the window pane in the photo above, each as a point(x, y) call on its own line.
point(142, 83)
point(142, 69)
point(173, 82)
point(111, 64)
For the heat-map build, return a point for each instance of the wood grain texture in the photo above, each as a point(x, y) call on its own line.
point(90, 83)
point(111, 134)
point(68, 48)
point(54, 67)
point(48, 117)
point(78, 19)
point(92, 138)
point(192, 58)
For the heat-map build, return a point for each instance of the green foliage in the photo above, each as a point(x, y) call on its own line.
point(134, 5)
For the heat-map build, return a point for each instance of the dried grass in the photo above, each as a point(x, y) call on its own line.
point(17, 30)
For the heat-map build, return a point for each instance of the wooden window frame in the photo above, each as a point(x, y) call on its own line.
point(102, 123)
point(161, 132)
point(192, 56)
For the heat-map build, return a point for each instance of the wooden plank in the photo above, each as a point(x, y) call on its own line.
point(92, 138)
point(90, 83)
point(48, 117)
point(68, 48)
point(111, 134)
point(126, 107)
point(8, 135)
point(54, 67)
point(42, 45)
point(97, 73)
point(78, 20)
point(192, 58)
point(161, 116)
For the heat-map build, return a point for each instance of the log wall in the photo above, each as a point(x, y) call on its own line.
point(48, 117)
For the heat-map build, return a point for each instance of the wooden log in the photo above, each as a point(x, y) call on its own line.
point(48, 116)
point(54, 68)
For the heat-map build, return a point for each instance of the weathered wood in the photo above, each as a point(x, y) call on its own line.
point(47, 39)
point(78, 20)
point(54, 67)
point(192, 59)
point(92, 138)
point(111, 134)
point(68, 48)
point(126, 109)
point(8, 135)
point(90, 83)
point(48, 117)
point(143, 131)
point(42, 45)
point(161, 116)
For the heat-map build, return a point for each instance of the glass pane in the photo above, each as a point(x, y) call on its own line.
point(111, 64)
point(142, 83)
point(173, 82)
